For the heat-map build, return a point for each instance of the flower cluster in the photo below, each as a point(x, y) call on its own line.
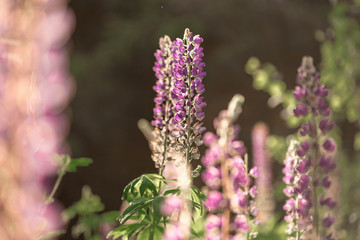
point(226, 168)
point(316, 149)
point(265, 199)
point(163, 105)
point(178, 102)
point(298, 190)
point(35, 90)
point(186, 91)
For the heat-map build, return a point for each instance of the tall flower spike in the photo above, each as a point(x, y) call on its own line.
point(230, 199)
point(262, 160)
point(316, 148)
point(163, 106)
point(35, 88)
point(186, 91)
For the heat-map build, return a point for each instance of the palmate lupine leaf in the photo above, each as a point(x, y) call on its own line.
point(146, 185)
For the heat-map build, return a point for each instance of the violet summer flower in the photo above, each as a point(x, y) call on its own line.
point(307, 173)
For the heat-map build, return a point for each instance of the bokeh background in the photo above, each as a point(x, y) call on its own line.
point(112, 57)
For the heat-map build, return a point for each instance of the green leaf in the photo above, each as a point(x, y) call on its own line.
point(147, 187)
point(144, 186)
point(134, 208)
point(197, 199)
point(129, 194)
point(145, 234)
point(198, 193)
point(172, 191)
point(125, 231)
point(78, 162)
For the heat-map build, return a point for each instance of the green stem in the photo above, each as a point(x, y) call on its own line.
point(61, 174)
point(152, 229)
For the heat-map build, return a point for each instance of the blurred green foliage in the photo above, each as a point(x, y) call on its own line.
point(90, 220)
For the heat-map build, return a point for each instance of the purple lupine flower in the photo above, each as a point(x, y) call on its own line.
point(186, 91)
point(298, 205)
point(226, 168)
point(163, 105)
point(314, 155)
point(263, 182)
point(35, 89)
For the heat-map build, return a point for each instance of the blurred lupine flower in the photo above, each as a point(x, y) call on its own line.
point(314, 154)
point(171, 204)
point(186, 91)
point(35, 88)
point(265, 199)
point(232, 208)
point(178, 207)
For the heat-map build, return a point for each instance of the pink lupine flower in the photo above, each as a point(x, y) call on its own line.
point(35, 89)
point(213, 200)
point(242, 222)
point(213, 221)
point(226, 168)
point(171, 204)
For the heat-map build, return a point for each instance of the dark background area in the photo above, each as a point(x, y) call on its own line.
point(112, 59)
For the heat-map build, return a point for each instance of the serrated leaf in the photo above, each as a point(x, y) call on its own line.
point(78, 162)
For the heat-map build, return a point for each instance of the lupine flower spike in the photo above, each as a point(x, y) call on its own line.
point(314, 153)
point(178, 110)
point(186, 90)
point(163, 106)
point(265, 199)
point(230, 197)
